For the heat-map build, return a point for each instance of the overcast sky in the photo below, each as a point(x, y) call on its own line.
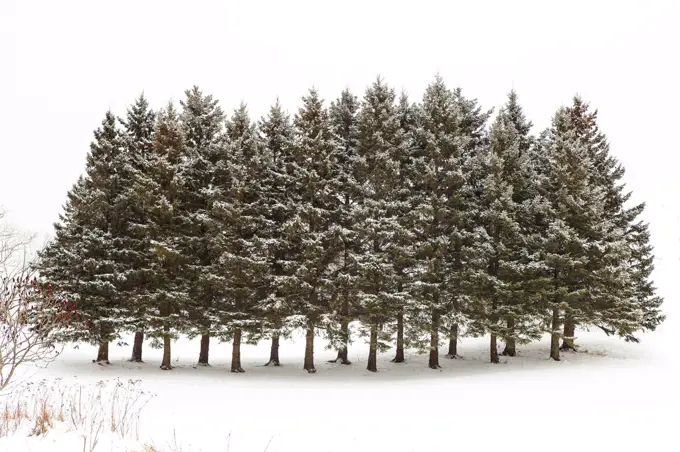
point(64, 63)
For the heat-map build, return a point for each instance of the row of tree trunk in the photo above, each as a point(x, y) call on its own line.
point(509, 350)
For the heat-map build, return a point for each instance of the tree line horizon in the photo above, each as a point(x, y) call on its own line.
point(423, 221)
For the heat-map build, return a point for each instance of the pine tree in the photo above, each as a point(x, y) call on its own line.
point(438, 192)
point(237, 217)
point(343, 115)
point(138, 128)
point(311, 240)
point(500, 265)
point(472, 138)
point(577, 234)
point(91, 242)
point(202, 122)
point(615, 305)
point(408, 117)
point(158, 197)
point(526, 195)
point(378, 216)
point(276, 132)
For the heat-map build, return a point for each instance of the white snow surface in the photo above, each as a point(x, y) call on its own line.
point(610, 396)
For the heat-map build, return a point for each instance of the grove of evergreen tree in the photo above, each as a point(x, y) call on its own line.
point(407, 224)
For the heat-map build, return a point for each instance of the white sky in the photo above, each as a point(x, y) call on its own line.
point(64, 63)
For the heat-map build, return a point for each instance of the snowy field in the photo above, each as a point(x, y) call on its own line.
point(610, 396)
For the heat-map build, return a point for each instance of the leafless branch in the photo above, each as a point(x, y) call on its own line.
point(29, 312)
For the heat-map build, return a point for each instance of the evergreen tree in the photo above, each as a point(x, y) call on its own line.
point(237, 217)
point(138, 128)
point(310, 239)
point(439, 192)
point(577, 234)
point(276, 132)
point(501, 266)
point(615, 304)
point(158, 200)
point(87, 260)
point(202, 123)
point(343, 115)
point(378, 216)
point(472, 138)
point(408, 117)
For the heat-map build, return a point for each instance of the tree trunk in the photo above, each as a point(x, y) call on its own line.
point(103, 353)
point(236, 352)
point(166, 364)
point(568, 337)
point(309, 348)
point(372, 365)
point(399, 357)
point(137, 348)
point(434, 343)
point(274, 352)
point(555, 336)
point(453, 342)
point(205, 350)
point(494, 349)
point(510, 348)
point(344, 333)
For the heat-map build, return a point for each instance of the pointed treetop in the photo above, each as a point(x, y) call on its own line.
point(202, 118)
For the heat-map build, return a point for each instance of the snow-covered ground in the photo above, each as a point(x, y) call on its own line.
point(610, 396)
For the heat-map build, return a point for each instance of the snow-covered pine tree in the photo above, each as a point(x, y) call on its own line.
point(343, 115)
point(614, 304)
point(138, 128)
point(576, 234)
point(438, 193)
point(276, 132)
point(378, 217)
point(202, 124)
point(500, 264)
point(526, 194)
point(158, 191)
point(91, 241)
point(472, 138)
point(237, 218)
point(311, 241)
point(407, 113)
point(529, 206)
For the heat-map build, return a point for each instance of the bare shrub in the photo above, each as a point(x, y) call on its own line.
point(29, 311)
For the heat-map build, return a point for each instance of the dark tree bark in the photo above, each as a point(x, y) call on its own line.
point(399, 357)
point(166, 364)
point(309, 348)
point(555, 336)
point(372, 364)
point(434, 343)
point(103, 353)
point(236, 352)
point(137, 348)
point(568, 337)
point(494, 349)
point(205, 350)
point(510, 346)
point(453, 342)
point(274, 352)
point(344, 333)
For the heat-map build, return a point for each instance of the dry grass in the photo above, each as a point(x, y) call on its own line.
point(89, 411)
